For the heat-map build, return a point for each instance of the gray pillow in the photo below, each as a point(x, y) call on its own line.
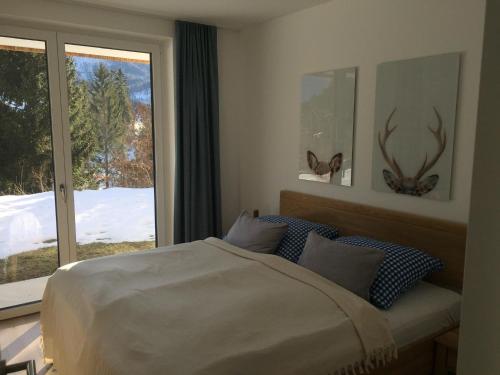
point(254, 235)
point(352, 267)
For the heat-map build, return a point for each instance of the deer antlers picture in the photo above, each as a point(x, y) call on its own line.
point(396, 179)
point(322, 167)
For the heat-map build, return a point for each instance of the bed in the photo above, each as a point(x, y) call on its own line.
point(210, 308)
point(443, 239)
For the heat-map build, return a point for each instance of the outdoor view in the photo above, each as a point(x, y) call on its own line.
point(111, 128)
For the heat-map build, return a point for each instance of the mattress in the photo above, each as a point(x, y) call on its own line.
point(425, 310)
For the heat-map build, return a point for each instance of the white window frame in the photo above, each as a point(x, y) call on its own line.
point(160, 167)
point(50, 40)
point(163, 116)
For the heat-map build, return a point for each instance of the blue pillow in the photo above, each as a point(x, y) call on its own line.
point(292, 243)
point(403, 267)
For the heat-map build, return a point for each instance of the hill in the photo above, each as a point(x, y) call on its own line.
point(138, 75)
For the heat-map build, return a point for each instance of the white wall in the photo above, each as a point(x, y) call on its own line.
point(479, 336)
point(230, 121)
point(344, 33)
point(260, 70)
point(90, 18)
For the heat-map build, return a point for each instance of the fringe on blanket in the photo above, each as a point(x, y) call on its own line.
point(378, 358)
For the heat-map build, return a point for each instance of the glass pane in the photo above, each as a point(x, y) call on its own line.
point(112, 150)
point(28, 234)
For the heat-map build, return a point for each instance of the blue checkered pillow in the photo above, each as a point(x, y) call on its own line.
point(293, 242)
point(403, 267)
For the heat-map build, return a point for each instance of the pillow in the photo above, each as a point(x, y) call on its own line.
point(403, 267)
point(254, 235)
point(293, 242)
point(352, 267)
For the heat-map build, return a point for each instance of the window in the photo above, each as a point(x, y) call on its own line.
point(111, 125)
point(79, 175)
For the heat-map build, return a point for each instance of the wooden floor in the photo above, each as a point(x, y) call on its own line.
point(20, 341)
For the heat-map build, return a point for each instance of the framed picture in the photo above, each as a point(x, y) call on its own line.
point(327, 126)
point(415, 113)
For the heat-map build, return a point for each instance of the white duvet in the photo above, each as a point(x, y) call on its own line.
point(206, 307)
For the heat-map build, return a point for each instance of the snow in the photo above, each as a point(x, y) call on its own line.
point(28, 222)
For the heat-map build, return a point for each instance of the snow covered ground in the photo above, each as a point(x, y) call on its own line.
point(28, 222)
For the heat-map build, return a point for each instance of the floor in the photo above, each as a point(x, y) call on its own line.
point(20, 292)
point(20, 341)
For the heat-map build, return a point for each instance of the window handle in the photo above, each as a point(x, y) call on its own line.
point(62, 190)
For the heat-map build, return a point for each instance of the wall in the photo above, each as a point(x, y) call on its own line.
point(230, 121)
point(479, 351)
point(344, 33)
point(86, 17)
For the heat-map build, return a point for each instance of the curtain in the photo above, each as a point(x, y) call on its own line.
point(197, 202)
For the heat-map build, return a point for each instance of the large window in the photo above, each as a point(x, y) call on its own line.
point(77, 149)
point(110, 112)
point(28, 225)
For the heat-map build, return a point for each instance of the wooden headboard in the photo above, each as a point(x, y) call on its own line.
point(440, 238)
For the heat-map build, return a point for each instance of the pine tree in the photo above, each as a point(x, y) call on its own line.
point(25, 125)
point(111, 108)
point(99, 113)
point(84, 145)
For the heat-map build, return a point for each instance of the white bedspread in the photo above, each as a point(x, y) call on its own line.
point(206, 307)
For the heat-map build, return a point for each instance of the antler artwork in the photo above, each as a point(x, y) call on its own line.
point(397, 181)
point(322, 167)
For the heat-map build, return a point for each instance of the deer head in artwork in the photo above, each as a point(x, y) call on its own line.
point(322, 167)
point(397, 181)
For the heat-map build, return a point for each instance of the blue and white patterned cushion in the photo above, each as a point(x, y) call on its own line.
point(403, 267)
point(292, 244)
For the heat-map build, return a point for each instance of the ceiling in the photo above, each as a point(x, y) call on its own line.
point(223, 13)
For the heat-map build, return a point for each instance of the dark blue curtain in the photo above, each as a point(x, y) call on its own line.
point(197, 210)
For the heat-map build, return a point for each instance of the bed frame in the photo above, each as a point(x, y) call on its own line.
point(440, 238)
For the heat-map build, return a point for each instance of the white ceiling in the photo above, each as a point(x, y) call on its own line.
point(224, 13)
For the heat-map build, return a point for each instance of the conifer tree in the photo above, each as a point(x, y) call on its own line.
point(84, 145)
point(111, 108)
point(25, 126)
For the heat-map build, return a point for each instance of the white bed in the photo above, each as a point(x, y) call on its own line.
point(129, 323)
point(206, 307)
point(439, 238)
point(422, 312)
point(78, 312)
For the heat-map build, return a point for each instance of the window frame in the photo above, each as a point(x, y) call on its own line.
point(158, 128)
point(163, 116)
